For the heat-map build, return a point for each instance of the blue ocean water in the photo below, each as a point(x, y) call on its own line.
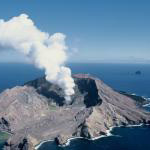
point(118, 76)
point(121, 77)
point(12, 74)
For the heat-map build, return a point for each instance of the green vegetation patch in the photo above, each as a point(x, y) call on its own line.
point(52, 106)
point(4, 136)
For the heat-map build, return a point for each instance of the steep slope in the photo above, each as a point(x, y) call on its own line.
point(37, 111)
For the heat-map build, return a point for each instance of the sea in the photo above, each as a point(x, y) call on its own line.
point(121, 77)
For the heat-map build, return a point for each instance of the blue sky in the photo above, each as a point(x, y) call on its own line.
point(115, 31)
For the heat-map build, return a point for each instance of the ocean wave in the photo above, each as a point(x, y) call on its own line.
point(146, 105)
point(41, 143)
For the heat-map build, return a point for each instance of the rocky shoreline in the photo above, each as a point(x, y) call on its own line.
point(108, 133)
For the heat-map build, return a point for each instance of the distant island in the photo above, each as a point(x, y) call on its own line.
point(138, 72)
point(37, 112)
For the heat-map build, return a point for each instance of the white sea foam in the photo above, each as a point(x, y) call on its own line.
point(39, 145)
point(146, 105)
point(133, 94)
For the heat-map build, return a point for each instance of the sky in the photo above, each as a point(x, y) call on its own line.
point(107, 31)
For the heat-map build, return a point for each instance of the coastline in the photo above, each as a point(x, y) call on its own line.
point(72, 138)
point(40, 144)
point(108, 133)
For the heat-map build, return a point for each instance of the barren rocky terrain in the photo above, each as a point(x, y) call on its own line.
point(37, 111)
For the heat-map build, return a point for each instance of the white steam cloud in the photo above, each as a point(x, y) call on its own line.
point(48, 52)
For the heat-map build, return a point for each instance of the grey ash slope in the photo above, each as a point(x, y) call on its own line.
point(37, 111)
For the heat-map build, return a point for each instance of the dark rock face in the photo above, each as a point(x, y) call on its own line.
point(85, 90)
point(84, 132)
point(21, 145)
point(4, 125)
point(49, 90)
point(87, 87)
point(37, 111)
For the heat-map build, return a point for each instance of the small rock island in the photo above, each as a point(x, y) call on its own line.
point(138, 72)
point(37, 112)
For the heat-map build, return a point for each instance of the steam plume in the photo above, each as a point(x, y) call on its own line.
point(48, 52)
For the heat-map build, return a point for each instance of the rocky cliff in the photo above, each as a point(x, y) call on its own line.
point(37, 111)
